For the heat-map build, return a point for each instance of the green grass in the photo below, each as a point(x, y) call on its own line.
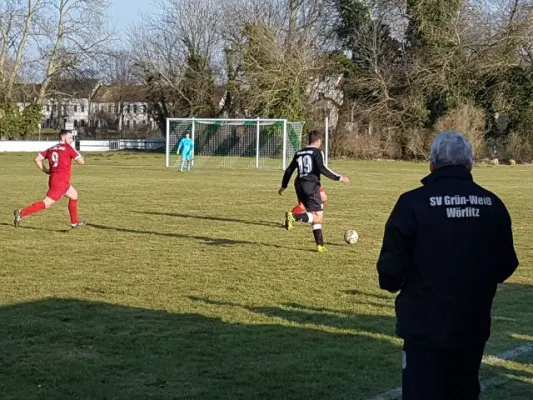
point(185, 286)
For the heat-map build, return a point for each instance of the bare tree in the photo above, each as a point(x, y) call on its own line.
point(174, 52)
point(275, 75)
point(17, 18)
point(117, 67)
point(70, 33)
point(181, 28)
point(273, 50)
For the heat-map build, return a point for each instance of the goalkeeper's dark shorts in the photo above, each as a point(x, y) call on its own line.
point(309, 194)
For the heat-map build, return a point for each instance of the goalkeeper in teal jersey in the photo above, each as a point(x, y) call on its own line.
point(186, 147)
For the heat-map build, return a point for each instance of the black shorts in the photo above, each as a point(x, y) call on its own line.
point(309, 194)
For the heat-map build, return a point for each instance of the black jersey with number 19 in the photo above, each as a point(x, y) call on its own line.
point(309, 162)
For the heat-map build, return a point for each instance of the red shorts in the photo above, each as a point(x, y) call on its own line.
point(57, 189)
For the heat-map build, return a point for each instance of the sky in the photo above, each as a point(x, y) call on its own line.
point(124, 13)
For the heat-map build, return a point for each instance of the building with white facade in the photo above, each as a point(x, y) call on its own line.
point(90, 105)
point(68, 101)
point(121, 107)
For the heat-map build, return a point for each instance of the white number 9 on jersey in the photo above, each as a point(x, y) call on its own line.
point(55, 159)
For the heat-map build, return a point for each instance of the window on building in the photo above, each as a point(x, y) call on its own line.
point(82, 108)
point(128, 109)
point(135, 109)
point(82, 122)
point(75, 108)
point(128, 124)
point(144, 109)
point(134, 124)
point(75, 123)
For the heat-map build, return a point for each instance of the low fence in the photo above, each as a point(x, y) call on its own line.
point(152, 144)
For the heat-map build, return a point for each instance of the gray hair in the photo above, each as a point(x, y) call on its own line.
point(451, 148)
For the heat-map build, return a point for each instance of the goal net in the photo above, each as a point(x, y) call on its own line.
point(235, 143)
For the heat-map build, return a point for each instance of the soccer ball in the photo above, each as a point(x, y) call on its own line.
point(351, 236)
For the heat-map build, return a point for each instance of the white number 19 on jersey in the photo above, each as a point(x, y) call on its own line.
point(305, 164)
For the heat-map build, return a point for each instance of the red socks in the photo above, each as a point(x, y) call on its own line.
point(35, 207)
point(73, 210)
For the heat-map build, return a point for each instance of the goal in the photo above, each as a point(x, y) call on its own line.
point(235, 143)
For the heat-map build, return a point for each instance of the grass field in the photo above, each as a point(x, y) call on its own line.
point(185, 286)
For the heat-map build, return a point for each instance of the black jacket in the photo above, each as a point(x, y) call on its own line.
point(446, 247)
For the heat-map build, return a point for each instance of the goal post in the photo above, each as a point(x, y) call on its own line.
point(235, 143)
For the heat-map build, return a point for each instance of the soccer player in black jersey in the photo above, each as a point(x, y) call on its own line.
point(309, 162)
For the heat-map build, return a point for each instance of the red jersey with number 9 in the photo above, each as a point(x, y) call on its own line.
point(60, 159)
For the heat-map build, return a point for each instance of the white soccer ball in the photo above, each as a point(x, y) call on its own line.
point(351, 236)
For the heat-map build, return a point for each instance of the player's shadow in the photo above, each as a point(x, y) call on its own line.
point(511, 334)
point(210, 241)
point(361, 293)
point(68, 348)
point(38, 228)
point(213, 218)
point(382, 305)
point(227, 219)
point(74, 349)
point(297, 313)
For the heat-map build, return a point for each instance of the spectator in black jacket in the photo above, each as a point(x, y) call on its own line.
point(446, 247)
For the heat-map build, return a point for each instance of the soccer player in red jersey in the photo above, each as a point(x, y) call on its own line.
point(59, 159)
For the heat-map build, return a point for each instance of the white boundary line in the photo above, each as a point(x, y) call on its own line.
point(394, 394)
